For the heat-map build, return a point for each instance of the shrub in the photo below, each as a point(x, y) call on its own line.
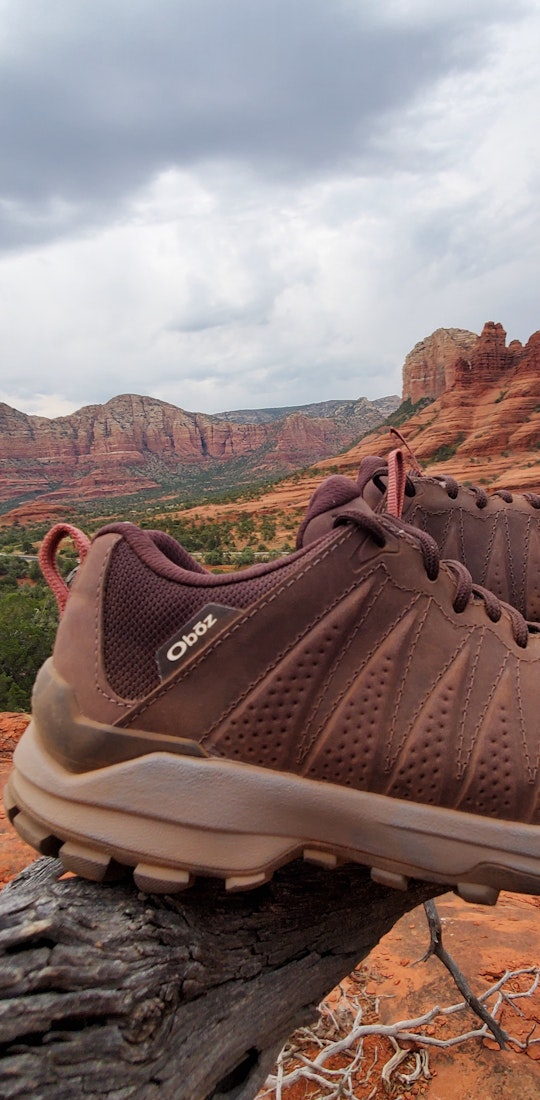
point(407, 409)
point(447, 450)
point(28, 620)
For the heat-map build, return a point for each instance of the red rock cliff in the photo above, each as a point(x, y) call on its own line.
point(485, 427)
point(131, 441)
point(429, 368)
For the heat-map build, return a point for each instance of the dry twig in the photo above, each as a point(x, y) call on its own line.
point(295, 1066)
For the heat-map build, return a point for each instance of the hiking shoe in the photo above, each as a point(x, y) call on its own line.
point(496, 535)
point(358, 700)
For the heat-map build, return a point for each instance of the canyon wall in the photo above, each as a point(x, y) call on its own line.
point(133, 443)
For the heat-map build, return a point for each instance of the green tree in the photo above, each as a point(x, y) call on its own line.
point(246, 557)
point(28, 620)
point(268, 529)
point(245, 526)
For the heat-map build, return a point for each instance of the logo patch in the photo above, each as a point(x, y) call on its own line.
point(192, 636)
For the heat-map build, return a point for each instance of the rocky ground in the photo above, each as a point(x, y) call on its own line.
point(392, 985)
point(14, 853)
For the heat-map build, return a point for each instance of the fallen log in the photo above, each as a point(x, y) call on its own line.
point(109, 993)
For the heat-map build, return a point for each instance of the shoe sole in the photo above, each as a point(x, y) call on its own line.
point(170, 818)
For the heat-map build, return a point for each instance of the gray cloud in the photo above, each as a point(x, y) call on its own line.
point(96, 99)
point(227, 203)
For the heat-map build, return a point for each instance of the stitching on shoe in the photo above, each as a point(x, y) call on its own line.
point(531, 769)
point(273, 595)
point(472, 674)
point(441, 672)
point(448, 514)
point(489, 551)
point(389, 757)
point(415, 598)
point(484, 710)
point(462, 535)
point(509, 565)
point(273, 664)
point(307, 743)
point(448, 525)
point(524, 560)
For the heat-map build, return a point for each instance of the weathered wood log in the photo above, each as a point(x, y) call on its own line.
point(108, 993)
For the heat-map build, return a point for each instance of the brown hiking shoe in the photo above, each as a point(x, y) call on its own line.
point(358, 700)
point(496, 535)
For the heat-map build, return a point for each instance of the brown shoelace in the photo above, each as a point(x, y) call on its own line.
point(465, 589)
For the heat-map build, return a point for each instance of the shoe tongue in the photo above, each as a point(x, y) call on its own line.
point(336, 495)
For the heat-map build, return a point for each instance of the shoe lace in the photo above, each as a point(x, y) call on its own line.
point(465, 588)
point(452, 487)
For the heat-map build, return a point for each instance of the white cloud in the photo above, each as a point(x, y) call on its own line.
point(230, 280)
point(49, 405)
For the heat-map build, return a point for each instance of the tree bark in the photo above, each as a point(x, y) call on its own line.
point(108, 993)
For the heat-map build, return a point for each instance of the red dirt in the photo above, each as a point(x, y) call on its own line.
point(14, 853)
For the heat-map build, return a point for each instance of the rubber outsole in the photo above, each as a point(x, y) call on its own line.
point(168, 819)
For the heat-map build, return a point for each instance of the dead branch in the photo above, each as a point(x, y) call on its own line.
point(437, 948)
point(294, 1066)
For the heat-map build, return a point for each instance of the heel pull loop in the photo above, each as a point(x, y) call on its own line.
point(397, 478)
point(47, 558)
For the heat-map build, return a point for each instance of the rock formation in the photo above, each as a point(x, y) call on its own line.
point(485, 427)
point(429, 368)
point(133, 443)
point(489, 360)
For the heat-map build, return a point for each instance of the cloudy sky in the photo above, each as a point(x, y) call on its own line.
point(244, 203)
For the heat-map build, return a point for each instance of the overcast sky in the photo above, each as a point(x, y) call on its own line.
point(245, 203)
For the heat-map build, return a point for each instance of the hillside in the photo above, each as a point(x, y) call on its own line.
point(133, 443)
point(318, 409)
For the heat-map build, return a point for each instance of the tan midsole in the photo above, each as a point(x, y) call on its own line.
point(222, 815)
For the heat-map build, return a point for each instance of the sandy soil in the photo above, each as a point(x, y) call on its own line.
point(14, 853)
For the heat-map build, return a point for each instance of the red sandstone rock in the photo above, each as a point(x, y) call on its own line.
point(489, 359)
point(429, 368)
point(489, 418)
point(127, 444)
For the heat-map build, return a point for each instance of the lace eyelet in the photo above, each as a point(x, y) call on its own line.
point(494, 616)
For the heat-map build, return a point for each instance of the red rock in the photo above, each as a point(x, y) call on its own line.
point(132, 442)
point(429, 368)
point(487, 421)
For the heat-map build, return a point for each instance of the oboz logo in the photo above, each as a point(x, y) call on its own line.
point(178, 649)
point(192, 636)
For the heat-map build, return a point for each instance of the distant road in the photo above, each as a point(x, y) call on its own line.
point(25, 557)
